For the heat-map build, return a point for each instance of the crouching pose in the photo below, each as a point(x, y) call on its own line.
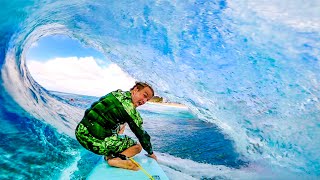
point(101, 128)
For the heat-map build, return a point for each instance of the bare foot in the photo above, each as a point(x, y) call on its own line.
point(125, 164)
point(106, 158)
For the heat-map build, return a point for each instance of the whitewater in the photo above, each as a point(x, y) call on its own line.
point(248, 71)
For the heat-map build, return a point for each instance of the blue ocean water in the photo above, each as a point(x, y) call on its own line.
point(248, 72)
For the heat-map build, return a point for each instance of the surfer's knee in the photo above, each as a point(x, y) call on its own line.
point(137, 147)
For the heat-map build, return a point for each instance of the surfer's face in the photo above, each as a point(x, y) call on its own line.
point(140, 97)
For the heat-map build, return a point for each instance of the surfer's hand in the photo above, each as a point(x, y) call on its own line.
point(152, 156)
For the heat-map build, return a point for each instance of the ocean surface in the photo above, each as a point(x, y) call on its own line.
point(248, 72)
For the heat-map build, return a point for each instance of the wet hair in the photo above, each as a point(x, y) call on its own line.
point(141, 85)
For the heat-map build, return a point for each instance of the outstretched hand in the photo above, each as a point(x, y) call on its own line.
point(152, 156)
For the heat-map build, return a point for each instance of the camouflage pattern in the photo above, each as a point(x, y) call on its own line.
point(125, 99)
point(96, 131)
point(110, 145)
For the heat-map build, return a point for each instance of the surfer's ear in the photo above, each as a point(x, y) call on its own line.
point(134, 90)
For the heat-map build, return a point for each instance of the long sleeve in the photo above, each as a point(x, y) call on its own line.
point(134, 120)
point(142, 135)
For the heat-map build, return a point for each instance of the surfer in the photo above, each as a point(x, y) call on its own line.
point(100, 130)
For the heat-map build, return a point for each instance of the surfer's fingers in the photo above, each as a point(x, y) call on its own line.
point(152, 156)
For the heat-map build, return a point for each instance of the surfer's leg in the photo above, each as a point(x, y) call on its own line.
point(125, 164)
point(122, 144)
point(125, 145)
point(132, 151)
point(113, 144)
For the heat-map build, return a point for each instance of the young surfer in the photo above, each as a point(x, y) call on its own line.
point(101, 128)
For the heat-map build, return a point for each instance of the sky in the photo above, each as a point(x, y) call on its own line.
point(59, 63)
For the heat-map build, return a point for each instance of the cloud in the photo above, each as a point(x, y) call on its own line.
point(79, 76)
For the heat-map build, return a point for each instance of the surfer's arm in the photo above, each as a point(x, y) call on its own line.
point(142, 136)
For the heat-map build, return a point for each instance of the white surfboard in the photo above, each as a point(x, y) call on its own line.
point(103, 171)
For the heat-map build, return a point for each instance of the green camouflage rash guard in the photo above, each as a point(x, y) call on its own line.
point(125, 99)
point(102, 120)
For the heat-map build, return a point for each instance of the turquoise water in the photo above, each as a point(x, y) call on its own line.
point(248, 72)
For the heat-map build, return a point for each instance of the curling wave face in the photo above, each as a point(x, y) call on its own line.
point(252, 69)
